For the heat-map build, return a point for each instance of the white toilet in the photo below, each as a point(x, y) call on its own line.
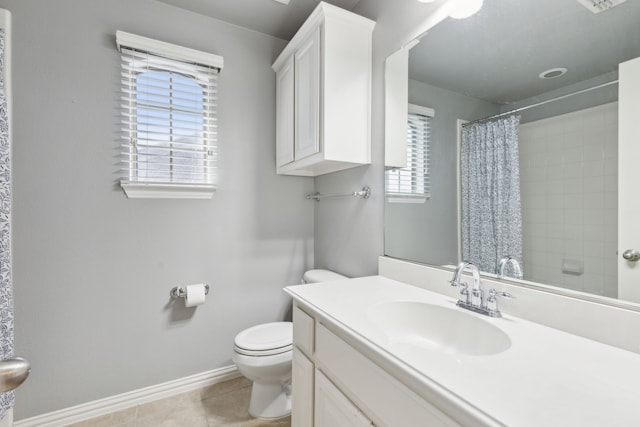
point(262, 353)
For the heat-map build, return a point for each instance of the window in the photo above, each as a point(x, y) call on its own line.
point(169, 119)
point(411, 183)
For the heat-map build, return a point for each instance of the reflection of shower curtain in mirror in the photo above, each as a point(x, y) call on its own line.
point(6, 298)
point(490, 181)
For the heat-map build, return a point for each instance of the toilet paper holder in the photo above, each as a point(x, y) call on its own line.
point(181, 292)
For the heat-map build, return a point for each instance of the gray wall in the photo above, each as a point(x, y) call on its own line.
point(92, 269)
point(427, 232)
point(348, 232)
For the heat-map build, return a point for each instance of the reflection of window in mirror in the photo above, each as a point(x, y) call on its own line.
point(411, 183)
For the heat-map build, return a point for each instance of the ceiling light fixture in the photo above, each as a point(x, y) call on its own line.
point(465, 8)
point(553, 73)
point(282, 1)
point(459, 9)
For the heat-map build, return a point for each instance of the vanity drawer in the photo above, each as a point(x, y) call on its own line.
point(383, 398)
point(303, 331)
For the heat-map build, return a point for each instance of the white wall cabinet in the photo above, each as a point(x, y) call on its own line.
point(307, 98)
point(323, 100)
point(285, 99)
point(396, 108)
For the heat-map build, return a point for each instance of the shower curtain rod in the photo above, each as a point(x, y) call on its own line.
point(537, 104)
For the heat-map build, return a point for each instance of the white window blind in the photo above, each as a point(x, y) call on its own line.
point(411, 183)
point(169, 119)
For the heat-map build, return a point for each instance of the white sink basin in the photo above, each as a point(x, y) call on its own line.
point(414, 326)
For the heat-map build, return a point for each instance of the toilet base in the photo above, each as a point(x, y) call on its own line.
point(270, 400)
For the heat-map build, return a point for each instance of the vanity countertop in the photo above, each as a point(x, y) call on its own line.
point(545, 378)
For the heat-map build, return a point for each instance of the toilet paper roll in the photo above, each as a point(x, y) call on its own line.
point(195, 295)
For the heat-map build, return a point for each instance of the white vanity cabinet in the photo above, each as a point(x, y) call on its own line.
point(316, 401)
point(335, 385)
point(323, 95)
point(385, 360)
point(302, 399)
point(303, 369)
point(333, 408)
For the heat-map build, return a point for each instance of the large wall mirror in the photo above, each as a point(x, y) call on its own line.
point(556, 64)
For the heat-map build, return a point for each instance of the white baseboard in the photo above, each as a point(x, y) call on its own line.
point(119, 402)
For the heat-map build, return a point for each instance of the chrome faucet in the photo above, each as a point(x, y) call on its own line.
point(474, 301)
point(475, 298)
point(517, 271)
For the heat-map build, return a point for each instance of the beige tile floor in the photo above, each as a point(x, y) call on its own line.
point(224, 404)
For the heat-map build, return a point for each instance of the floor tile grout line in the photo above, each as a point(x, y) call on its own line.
point(200, 405)
point(223, 394)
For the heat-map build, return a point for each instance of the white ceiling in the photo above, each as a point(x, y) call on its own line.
point(498, 53)
point(265, 16)
point(494, 55)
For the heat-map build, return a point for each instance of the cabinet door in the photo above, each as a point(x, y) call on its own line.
point(285, 101)
point(302, 387)
point(628, 202)
point(307, 97)
point(333, 409)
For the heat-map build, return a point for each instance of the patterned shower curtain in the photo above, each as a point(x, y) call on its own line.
point(490, 180)
point(6, 298)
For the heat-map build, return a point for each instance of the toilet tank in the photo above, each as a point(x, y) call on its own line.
point(315, 276)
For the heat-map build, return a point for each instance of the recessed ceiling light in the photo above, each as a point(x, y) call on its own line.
point(553, 73)
point(282, 1)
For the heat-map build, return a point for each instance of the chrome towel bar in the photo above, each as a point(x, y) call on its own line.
point(364, 193)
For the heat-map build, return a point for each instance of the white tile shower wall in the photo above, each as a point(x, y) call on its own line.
point(569, 196)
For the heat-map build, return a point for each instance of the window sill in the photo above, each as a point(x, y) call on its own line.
point(137, 190)
point(406, 198)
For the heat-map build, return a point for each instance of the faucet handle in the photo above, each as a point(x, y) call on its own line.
point(464, 290)
point(464, 293)
point(493, 293)
point(492, 301)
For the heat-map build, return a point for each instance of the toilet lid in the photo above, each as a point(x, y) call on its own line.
point(265, 337)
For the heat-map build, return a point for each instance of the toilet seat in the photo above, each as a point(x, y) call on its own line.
point(261, 353)
point(265, 340)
